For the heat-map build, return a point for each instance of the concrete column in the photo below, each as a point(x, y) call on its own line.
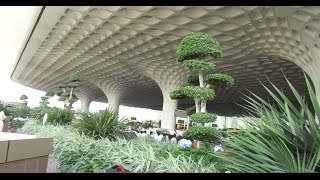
point(169, 106)
point(113, 90)
point(85, 104)
point(85, 97)
point(313, 70)
point(114, 101)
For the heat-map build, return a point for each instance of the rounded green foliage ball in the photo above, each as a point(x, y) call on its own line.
point(73, 84)
point(203, 117)
point(193, 80)
point(44, 98)
point(62, 98)
point(198, 65)
point(177, 94)
point(23, 97)
point(206, 134)
point(49, 94)
point(191, 110)
point(62, 86)
point(220, 79)
point(198, 45)
point(74, 77)
point(59, 93)
point(202, 93)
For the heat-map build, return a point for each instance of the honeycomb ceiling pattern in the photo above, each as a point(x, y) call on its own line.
point(130, 51)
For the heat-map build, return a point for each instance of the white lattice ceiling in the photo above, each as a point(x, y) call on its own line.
point(132, 49)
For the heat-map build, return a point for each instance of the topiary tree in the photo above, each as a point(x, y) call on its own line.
point(66, 92)
point(192, 52)
point(45, 99)
point(24, 99)
point(49, 94)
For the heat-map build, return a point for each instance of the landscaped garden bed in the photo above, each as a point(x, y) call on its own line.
point(80, 153)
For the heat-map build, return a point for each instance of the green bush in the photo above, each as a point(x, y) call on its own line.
point(287, 138)
point(99, 125)
point(191, 110)
point(60, 116)
point(62, 98)
point(203, 117)
point(23, 97)
point(79, 153)
point(220, 79)
point(203, 154)
point(39, 112)
point(206, 134)
point(16, 124)
point(177, 94)
point(198, 65)
point(49, 94)
point(196, 45)
point(193, 80)
point(22, 111)
point(202, 93)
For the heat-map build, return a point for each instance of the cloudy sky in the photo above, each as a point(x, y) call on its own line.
point(15, 22)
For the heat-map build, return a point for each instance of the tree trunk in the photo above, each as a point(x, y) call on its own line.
point(201, 79)
point(203, 106)
point(203, 102)
point(197, 103)
point(70, 95)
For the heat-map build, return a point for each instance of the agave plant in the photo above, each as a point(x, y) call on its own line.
point(287, 139)
point(99, 125)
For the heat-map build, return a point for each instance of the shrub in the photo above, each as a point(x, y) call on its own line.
point(17, 123)
point(195, 154)
point(191, 110)
point(203, 117)
point(206, 134)
point(99, 125)
point(287, 138)
point(193, 80)
point(39, 112)
point(79, 153)
point(220, 79)
point(23, 97)
point(202, 93)
point(198, 44)
point(49, 94)
point(22, 111)
point(198, 65)
point(60, 116)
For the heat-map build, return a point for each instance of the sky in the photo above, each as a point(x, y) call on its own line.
point(15, 22)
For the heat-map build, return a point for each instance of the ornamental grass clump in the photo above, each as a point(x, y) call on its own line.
point(287, 139)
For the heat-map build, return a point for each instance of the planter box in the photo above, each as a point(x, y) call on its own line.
point(20, 153)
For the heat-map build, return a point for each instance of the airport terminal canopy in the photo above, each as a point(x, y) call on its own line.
point(126, 54)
